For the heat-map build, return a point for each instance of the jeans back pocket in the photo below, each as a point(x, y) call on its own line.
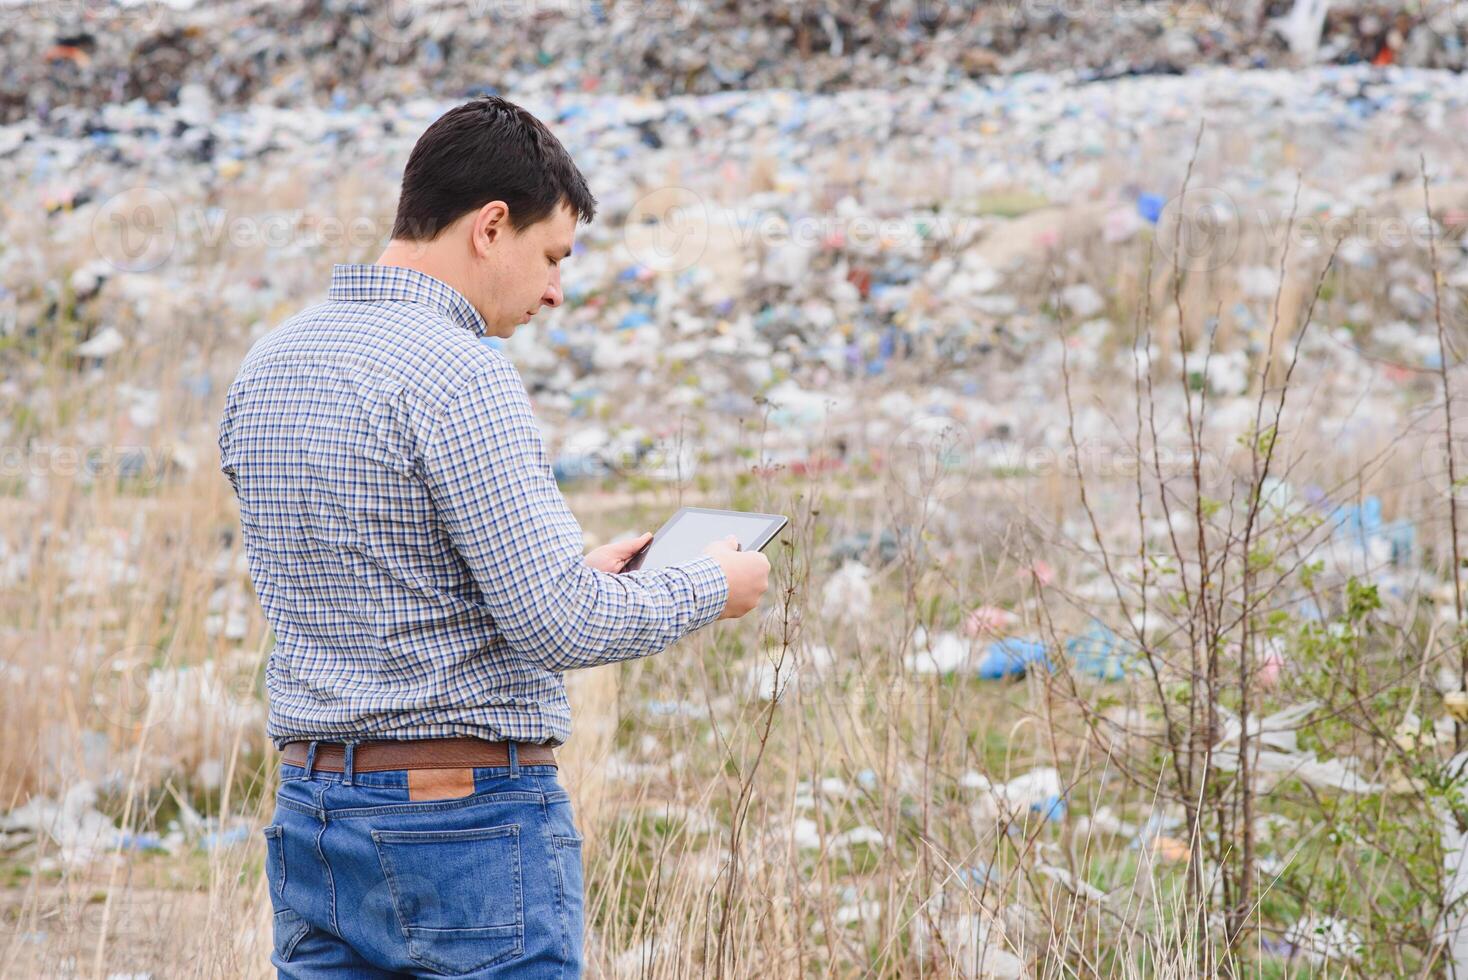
point(457, 894)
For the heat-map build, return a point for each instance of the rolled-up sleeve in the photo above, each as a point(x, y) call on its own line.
point(485, 465)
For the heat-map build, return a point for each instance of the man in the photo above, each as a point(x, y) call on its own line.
point(426, 583)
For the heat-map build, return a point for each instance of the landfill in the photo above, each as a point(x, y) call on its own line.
point(919, 267)
point(348, 53)
point(822, 287)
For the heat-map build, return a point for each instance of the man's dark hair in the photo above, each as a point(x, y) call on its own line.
point(487, 150)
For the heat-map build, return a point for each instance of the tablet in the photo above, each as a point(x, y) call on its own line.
point(693, 529)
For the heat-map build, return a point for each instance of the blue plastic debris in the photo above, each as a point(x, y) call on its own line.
point(1099, 653)
point(201, 386)
point(975, 876)
point(224, 838)
point(1357, 522)
point(1150, 206)
point(1011, 657)
point(140, 842)
point(1052, 808)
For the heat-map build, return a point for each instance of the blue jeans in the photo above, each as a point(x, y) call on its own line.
point(366, 883)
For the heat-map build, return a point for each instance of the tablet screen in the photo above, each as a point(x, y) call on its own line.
point(693, 529)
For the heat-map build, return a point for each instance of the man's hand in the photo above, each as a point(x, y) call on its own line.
point(748, 573)
point(611, 557)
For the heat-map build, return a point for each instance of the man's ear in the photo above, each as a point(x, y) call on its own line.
point(490, 222)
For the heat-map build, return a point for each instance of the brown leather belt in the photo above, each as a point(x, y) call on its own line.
point(425, 753)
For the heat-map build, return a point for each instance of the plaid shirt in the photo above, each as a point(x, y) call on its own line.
point(409, 545)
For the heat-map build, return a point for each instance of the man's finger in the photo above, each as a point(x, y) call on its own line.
point(632, 545)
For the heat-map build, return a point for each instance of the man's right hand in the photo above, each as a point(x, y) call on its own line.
point(748, 573)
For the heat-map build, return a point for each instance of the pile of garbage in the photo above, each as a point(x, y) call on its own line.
point(348, 53)
point(761, 260)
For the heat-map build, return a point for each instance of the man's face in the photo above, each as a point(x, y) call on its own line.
point(518, 272)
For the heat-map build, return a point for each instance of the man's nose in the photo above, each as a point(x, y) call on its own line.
point(553, 296)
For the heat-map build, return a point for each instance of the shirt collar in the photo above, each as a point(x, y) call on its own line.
point(360, 283)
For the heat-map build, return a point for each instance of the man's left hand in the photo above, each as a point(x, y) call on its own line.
point(611, 557)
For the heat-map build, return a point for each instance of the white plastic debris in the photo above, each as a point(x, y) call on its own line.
point(1283, 758)
point(1323, 938)
point(1082, 300)
point(1278, 730)
point(208, 709)
point(108, 341)
point(1105, 821)
point(1302, 27)
point(851, 914)
point(1453, 930)
point(847, 595)
point(80, 830)
point(805, 834)
point(867, 836)
point(968, 942)
point(947, 653)
point(1068, 881)
point(1038, 791)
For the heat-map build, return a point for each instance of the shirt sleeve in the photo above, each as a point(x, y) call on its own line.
point(486, 467)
